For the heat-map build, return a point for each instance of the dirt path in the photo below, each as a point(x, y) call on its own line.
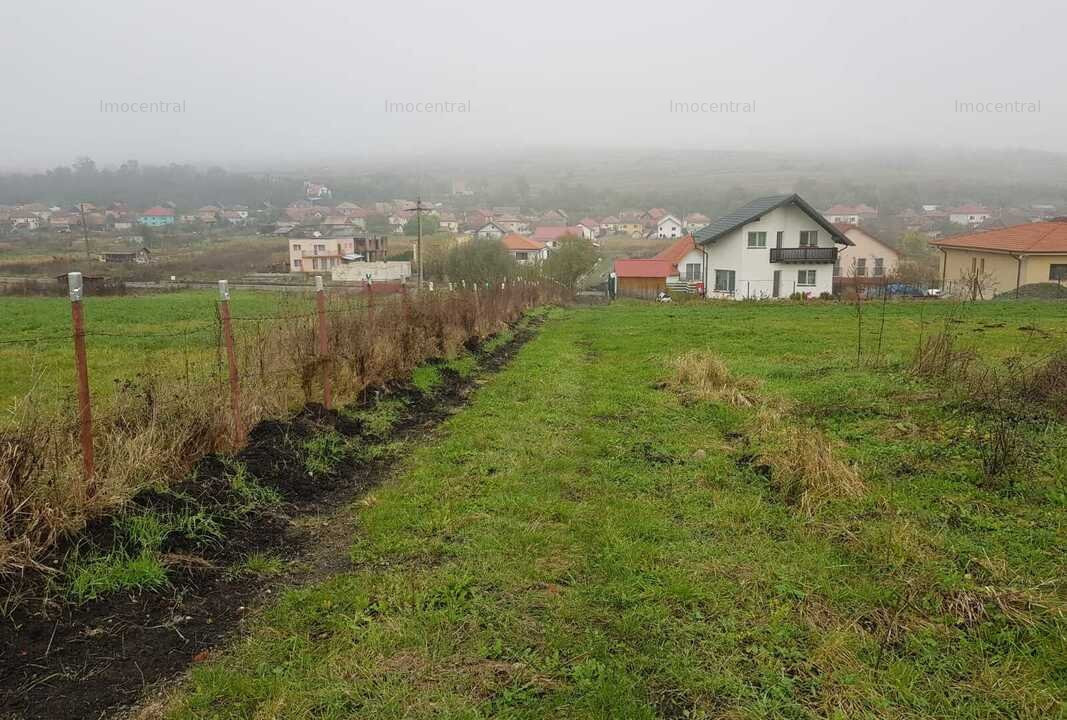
point(99, 658)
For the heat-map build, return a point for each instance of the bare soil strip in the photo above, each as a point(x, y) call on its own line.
point(61, 661)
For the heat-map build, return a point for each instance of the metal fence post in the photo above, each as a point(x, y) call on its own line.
point(324, 343)
point(85, 412)
point(231, 358)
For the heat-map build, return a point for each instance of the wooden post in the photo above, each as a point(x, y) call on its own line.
point(231, 358)
point(324, 343)
point(85, 412)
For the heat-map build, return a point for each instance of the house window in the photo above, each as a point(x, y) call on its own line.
point(805, 278)
point(879, 267)
point(725, 280)
point(297, 264)
point(520, 256)
point(809, 238)
point(692, 272)
point(296, 248)
point(861, 267)
point(1057, 273)
point(757, 239)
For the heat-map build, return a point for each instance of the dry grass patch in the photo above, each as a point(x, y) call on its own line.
point(703, 376)
point(801, 460)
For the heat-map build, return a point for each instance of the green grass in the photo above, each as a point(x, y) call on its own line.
point(562, 549)
point(114, 572)
point(250, 494)
point(426, 378)
point(162, 321)
point(258, 563)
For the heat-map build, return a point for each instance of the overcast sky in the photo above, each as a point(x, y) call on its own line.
point(273, 81)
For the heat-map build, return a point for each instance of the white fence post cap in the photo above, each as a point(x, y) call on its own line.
point(224, 289)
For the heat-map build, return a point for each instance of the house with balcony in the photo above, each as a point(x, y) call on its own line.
point(770, 248)
point(318, 252)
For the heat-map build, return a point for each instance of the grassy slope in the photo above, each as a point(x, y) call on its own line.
point(559, 551)
point(161, 318)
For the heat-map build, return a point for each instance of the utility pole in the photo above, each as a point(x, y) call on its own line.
point(419, 209)
point(85, 231)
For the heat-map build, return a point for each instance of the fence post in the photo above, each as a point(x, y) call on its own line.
point(231, 358)
point(85, 412)
point(324, 343)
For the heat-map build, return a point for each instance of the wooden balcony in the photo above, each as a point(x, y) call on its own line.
point(804, 255)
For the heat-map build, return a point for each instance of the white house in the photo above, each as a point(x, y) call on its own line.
point(969, 214)
point(524, 249)
point(668, 226)
point(686, 259)
point(695, 221)
point(867, 257)
point(771, 248)
point(588, 229)
point(851, 214)
point(490, 231)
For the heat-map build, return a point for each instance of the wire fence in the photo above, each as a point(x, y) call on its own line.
point(75, 444)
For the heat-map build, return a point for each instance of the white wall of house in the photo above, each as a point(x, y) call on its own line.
point(695, 258)
point(669, 227)
point(969, 218)
point(754, 270)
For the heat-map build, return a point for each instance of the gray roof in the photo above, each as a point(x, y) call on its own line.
point(758, 208)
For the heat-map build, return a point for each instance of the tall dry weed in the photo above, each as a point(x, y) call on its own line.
point(155, 426)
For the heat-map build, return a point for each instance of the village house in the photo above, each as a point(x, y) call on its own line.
point(668, 227)
point(141, 256)
point(156, 217)
point(588, 230)
point(550, 235)
point(448, 222)
point(770, 248)
point(524, 249)
point(695, 221)
point(982, 264)
point(512, 223)
point(609, 224)
point(317, 251)
point(24, 221)
point(867, 257)
point(687, 261)
point(633, 228)
point(490, 231)
point(398, 222)
point(969, 214)
point(850, 214)
point(316, 191)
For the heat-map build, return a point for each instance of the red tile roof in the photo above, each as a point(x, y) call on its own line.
point(677, 250)
point(158, 212)
point(1039, 237)
point(555, 232)
point(518, 243)
point(643, 268)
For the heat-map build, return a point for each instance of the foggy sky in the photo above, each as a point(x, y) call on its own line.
point(276, 81)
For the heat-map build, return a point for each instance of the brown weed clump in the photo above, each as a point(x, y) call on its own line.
point(800, 460)
point(805, 469)
point(702, 376)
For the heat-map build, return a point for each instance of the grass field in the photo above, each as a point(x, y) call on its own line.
point(127, 335)
point(580, 542)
